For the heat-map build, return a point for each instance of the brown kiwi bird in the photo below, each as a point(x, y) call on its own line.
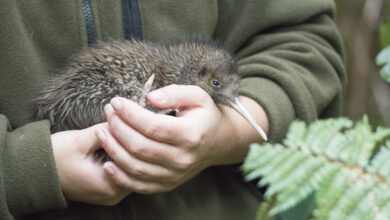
point(75, 97)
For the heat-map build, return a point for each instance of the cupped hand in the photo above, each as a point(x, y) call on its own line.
point(156, 153)
point(83, 179)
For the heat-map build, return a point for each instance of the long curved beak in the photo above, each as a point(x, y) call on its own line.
point(241, 109)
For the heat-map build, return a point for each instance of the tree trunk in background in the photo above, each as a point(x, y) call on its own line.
point(367, 93)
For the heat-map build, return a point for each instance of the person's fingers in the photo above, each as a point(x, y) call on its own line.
point(141, 169)
point(88, 142)
point(159, 127)
point(81, 178)
point(102, 189)
point(125, 180)
point(179, 97)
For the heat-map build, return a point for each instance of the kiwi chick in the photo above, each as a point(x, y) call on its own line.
point(76, 96)
point(74, 99)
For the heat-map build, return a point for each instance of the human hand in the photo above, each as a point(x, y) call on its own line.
point(81, 178)
point(156, 153)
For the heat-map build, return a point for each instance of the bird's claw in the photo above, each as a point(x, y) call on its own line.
point(149, 84)
point(147, 88)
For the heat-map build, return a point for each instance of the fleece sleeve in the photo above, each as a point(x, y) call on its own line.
point(289, 56)
point(28, 177)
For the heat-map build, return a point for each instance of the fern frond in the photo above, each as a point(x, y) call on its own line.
point(381, 162)
point(332, 159)
point(349, 200)
point(262, 213)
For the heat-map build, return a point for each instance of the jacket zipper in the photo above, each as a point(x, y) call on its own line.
point(131, 19)
point(89, 23)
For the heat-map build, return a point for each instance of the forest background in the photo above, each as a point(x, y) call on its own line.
point(360, 23)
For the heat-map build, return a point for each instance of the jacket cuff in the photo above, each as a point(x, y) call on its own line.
point(274, 101)
point(30, 174)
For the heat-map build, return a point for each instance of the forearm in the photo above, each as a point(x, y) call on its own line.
point(28, 177)
point(295, 72)
point(289, 56)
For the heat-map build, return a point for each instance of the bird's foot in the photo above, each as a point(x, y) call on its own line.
point(147, 88)
point(142, 101)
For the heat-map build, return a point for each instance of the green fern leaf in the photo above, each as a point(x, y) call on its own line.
point(351, 197)
point(383, 58)
point(381, 163)
point(334, 160)
point(262, 213)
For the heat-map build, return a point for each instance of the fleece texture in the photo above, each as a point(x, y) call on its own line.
point(288, 53)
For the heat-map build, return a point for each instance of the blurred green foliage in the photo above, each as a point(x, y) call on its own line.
point(383, 58)
point(329, 170)
point(384, 33)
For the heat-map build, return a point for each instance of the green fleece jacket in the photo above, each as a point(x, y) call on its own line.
point(289, 57)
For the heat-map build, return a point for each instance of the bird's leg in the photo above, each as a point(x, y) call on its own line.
point(147, 87)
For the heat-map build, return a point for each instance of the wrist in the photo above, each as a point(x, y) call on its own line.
point(239, 133)
point(244, 128)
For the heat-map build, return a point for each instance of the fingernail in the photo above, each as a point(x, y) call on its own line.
point(157, 96)
point(109, 169)
point(109, 111)
point(101, 136)
point(116, 104)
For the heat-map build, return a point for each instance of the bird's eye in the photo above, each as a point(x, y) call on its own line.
point(215, 83)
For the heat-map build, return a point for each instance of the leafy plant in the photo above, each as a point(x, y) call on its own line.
point(345, 167)
point(384, 32)
point(383, 58)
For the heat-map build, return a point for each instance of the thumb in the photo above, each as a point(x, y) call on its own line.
point(89, 141)
point(179, 96)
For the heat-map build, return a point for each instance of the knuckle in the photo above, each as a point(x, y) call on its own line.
point(127, 114)
point(114, 124)
point(120, 181)
point(184, 163)
point(137, 171)
point(138, 149)
point(172, 131)
point(152, 129)
point(110, 151)
point(194, 139)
